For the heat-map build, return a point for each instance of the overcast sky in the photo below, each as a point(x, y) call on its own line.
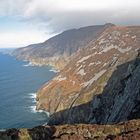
point(23, 22)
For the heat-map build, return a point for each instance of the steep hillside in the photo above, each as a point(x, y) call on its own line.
point(58, 49)
point(120, 99)
point(122, 131)
point(74, 94)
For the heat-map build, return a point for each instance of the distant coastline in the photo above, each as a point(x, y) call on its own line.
point(33, 64)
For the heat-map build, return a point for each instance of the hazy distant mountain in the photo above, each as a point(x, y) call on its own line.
point(58, 49)
point(6, 50)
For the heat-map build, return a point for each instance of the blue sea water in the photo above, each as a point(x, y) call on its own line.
point(18, 87)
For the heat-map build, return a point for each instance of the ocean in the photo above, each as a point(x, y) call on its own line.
point(19, 83)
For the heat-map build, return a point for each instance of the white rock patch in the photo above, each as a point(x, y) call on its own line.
point(84, 58)
point(102, 41)
point(133, 37)
point(116, 47)
point(95, 63)
point(81, 72)
point(60, 78)
point(91, 64)
point(98, 62)
point(96, 77)
point(79, 68)
point(73, 82)
point(105, 64)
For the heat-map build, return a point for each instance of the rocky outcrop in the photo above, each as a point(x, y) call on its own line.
point(122, 131)
point(74, 94)
point(120, 99)
point(57, 50)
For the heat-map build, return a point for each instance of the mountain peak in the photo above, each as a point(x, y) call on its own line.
point(58, 49)
point(109, 24)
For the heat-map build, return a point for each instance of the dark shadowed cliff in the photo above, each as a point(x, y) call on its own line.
point(120, 99)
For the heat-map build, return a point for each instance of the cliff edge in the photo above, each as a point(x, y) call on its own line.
point(122, 131)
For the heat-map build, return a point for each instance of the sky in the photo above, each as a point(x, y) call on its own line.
point(24, 22)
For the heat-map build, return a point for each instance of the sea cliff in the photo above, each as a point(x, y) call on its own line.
point(99, 83)
point(96, 95)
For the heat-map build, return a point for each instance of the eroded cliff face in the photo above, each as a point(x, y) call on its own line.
point(69, 97)
point(122, 131)
point(120, 99)
point(57, 50)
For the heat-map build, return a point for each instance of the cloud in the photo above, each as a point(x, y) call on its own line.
point(21, 38)
point(58, 15)
point(13, 7)
point(54, 16)
point(65, 14)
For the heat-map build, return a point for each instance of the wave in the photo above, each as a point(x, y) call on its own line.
point(54, 70)
point(2, 130)
point(33, 110)
point(32, 95)
point(33, 107)
point(29, 65)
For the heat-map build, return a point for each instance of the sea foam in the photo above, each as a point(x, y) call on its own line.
point(54, 70)
point(31, 64)
point(33, 97)
point(28, 64)
point(33, 110)
point(33, 107)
